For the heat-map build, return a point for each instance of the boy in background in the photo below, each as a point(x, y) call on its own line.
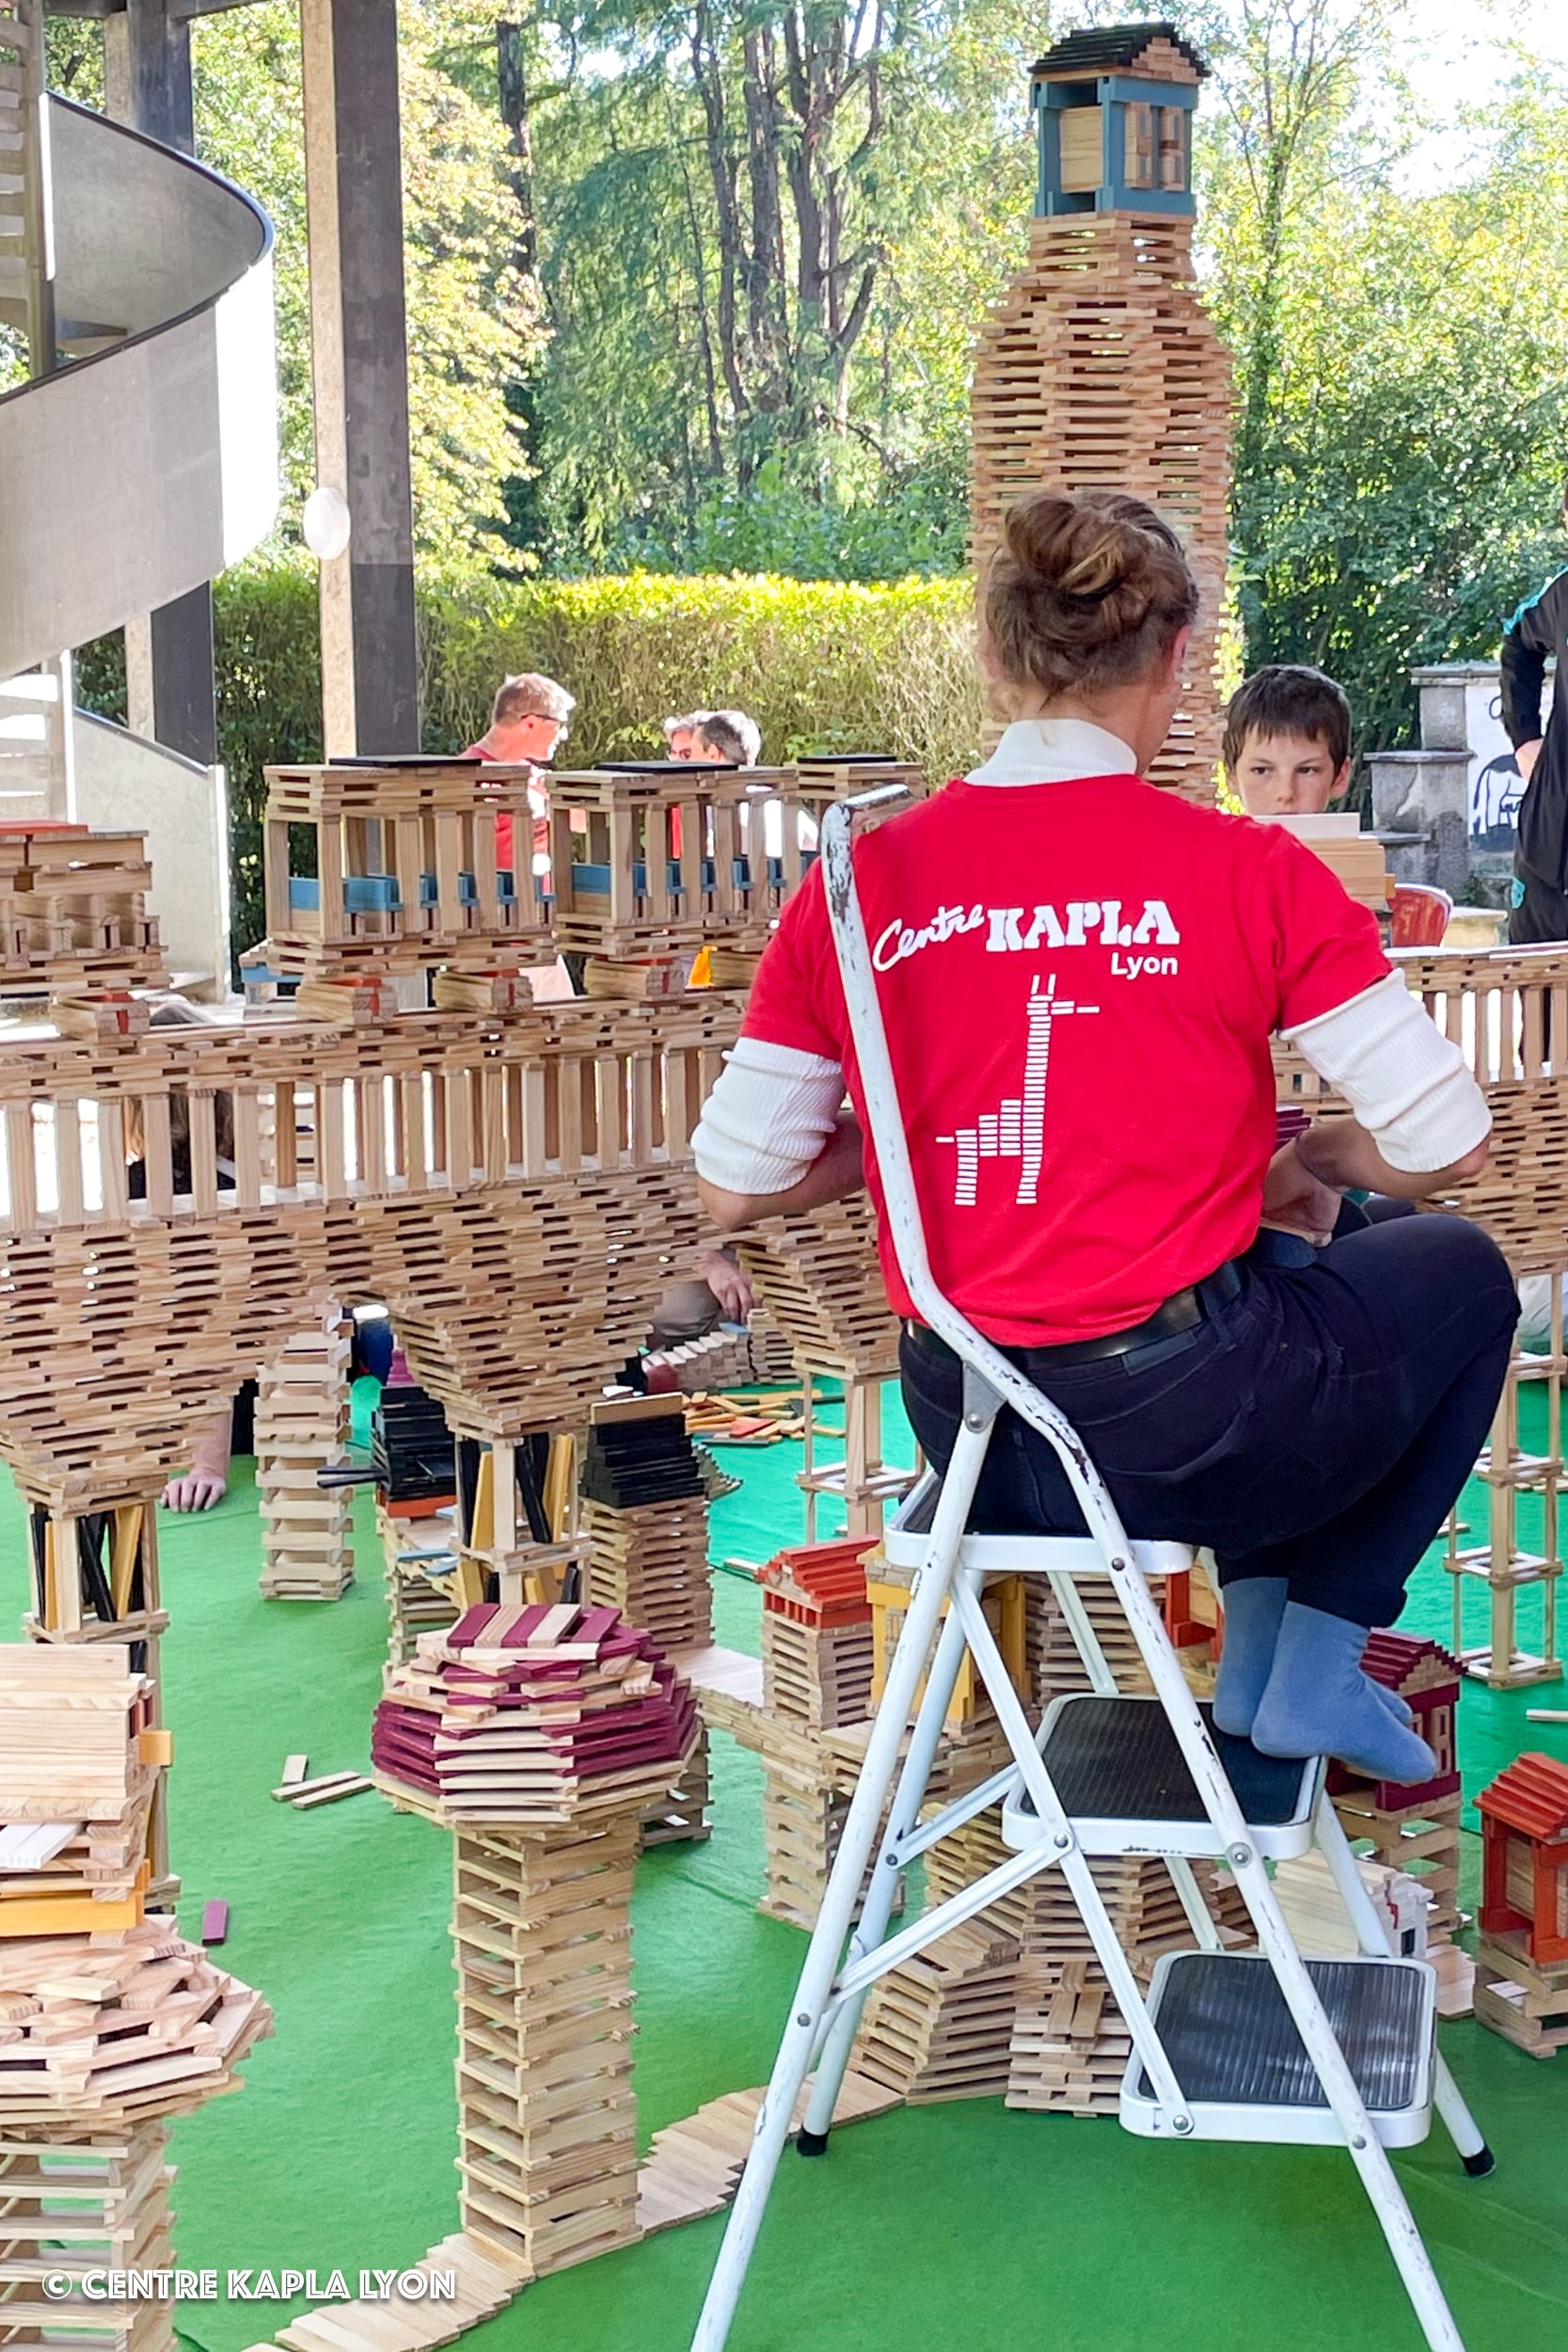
point(1287, 741)
point(1287, 753)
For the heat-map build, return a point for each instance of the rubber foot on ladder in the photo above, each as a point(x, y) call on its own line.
point(1481, 2164)
point(811, 2143)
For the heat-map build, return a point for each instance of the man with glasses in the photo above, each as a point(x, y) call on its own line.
point(528, 722)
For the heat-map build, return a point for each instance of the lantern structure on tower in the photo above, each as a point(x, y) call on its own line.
point(1099, 368)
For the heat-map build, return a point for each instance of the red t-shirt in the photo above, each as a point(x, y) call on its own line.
point(1078, 982)
point(539, 801)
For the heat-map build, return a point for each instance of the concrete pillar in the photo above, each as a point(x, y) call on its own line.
point(360, 359)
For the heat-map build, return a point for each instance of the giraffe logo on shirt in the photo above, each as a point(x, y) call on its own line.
point(1016, 1129)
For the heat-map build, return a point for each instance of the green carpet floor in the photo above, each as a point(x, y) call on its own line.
point(938, 2227)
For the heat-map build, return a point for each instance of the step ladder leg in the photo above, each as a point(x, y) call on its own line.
point(1373, 1933)
point(1367, 2152)
point(930, 1590)
point(887, 1871)
point(1300, 1994)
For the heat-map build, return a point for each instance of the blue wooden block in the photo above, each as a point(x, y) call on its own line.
point(429, 896)
point(467, 890)
point(305, 892)
point(371, 893)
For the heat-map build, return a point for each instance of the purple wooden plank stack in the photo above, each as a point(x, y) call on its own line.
point(543, 1715)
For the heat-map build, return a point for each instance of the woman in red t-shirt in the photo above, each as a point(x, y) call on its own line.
point(1080, 976)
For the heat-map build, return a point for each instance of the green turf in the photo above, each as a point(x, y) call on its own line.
point(936, 2227)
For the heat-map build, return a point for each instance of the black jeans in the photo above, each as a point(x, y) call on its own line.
point(1319, 1427)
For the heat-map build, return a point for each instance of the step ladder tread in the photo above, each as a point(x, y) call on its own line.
point(1231, 2039)
point(1117, 1759)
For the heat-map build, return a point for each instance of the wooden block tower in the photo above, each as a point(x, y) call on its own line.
point(538, 1736)
point(301, 1421)
point(1100, 369)
point(113, 2022)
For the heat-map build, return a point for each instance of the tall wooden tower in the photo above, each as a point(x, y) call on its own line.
point(1100, 367)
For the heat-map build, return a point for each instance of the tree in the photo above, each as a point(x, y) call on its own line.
point(767, 236)
point(474, 323)
point(1403, 364)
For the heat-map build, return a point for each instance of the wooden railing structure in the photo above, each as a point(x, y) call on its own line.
point(1507, 1009)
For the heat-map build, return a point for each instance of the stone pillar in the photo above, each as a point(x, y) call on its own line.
point(360, 362)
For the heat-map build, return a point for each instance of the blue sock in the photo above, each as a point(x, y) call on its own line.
point(1253, 1608)
point(1320, 1703)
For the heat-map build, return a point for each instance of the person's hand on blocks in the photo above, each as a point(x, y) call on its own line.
point(206, 1483)
point(728, 1284)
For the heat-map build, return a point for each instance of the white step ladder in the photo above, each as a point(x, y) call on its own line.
point(1256, 2046)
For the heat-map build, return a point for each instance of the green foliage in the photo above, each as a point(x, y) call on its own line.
point(822, 665)
point(672, 433)
point(474, 329)
point(1402, 360)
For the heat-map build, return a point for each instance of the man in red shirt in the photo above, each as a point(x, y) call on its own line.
point(1067, 957)
point(529, 721)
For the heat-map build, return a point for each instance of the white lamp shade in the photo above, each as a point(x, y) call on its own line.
point(326, 523)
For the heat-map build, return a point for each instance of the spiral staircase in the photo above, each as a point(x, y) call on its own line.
point(140, 456)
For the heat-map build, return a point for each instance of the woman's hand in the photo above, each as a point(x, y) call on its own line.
point(1295, 1200)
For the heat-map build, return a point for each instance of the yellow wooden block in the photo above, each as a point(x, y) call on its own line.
point(155, 1747)
point(68, 1914)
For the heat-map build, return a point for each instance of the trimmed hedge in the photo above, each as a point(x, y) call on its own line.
point(822, 665)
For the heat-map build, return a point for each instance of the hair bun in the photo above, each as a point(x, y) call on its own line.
point(1087, 589)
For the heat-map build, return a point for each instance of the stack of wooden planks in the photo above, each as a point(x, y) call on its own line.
point(302, 1425)
point(1101, 367)
point(79, 1755)
point(405, 870)
point(816, 1651)
point(646, 1515)
point(75, 2203)
point(817, 1278)
point(543, 1716)
point(547, 2114)
point(1070, 2042)
point(115, 2032)
point(73, 910)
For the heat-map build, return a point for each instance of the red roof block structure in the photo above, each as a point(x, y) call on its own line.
point(1408, 1663)
point(819, 1585)
point(1427, 1677)
point(1525, 1885)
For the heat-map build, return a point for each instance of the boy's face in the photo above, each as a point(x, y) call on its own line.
point(1286, 775)
point(706, 755)
point(680, 743)
point(533, 737)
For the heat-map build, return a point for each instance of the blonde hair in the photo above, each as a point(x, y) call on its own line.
point(531, 695)
point(1088, 590)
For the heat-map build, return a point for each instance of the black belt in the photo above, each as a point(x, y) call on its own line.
point(1182, 1312)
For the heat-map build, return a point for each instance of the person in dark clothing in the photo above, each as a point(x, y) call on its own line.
point(1537, 630)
